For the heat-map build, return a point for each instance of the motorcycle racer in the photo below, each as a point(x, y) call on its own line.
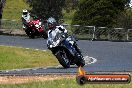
point(63, 46)
point(54, 29)
point(25, 18)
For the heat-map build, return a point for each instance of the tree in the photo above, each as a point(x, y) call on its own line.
point(2, 4)
point(99, 12)
point(47, 8)
point(71, 4)
point(125, 19)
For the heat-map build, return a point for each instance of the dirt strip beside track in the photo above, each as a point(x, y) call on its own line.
point(26, 79)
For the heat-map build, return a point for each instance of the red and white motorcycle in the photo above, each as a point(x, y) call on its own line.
point(33, 27)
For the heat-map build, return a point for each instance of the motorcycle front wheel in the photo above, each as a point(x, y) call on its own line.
point(79, 60)
point(29, 33)
point(44, 35)
point(63, 58)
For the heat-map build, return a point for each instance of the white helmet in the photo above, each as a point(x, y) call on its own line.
point(51, 20)
point(25, 12)
point(26, 15)
point(51, 23)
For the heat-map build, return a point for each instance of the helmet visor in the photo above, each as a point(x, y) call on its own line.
point(25, 13)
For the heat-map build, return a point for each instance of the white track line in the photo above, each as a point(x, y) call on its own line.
point(24, 48)
point(90, 60)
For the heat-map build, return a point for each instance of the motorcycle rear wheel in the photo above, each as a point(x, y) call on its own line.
point(63, 58)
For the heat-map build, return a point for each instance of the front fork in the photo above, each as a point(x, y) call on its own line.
point(77, 48)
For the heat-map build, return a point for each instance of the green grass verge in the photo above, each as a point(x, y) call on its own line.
point(8, 24)
point(14, 58)
point(13, 9)
point(64, 83)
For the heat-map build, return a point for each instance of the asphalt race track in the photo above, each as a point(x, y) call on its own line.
point(110, 56)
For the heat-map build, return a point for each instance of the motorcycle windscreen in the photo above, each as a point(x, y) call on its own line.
point(53, 36)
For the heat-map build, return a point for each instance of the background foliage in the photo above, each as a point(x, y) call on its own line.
point(99, 12)
point(47, 8)
point(83, 12)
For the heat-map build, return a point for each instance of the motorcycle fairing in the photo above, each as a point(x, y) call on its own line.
point(69, 46)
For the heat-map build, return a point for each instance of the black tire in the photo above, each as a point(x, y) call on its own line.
point(79, 60)
point(30, 34)
point(44, 35)
point(81, 80)
point(63, 59)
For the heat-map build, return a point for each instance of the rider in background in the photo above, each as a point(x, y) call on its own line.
point(25, 18)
